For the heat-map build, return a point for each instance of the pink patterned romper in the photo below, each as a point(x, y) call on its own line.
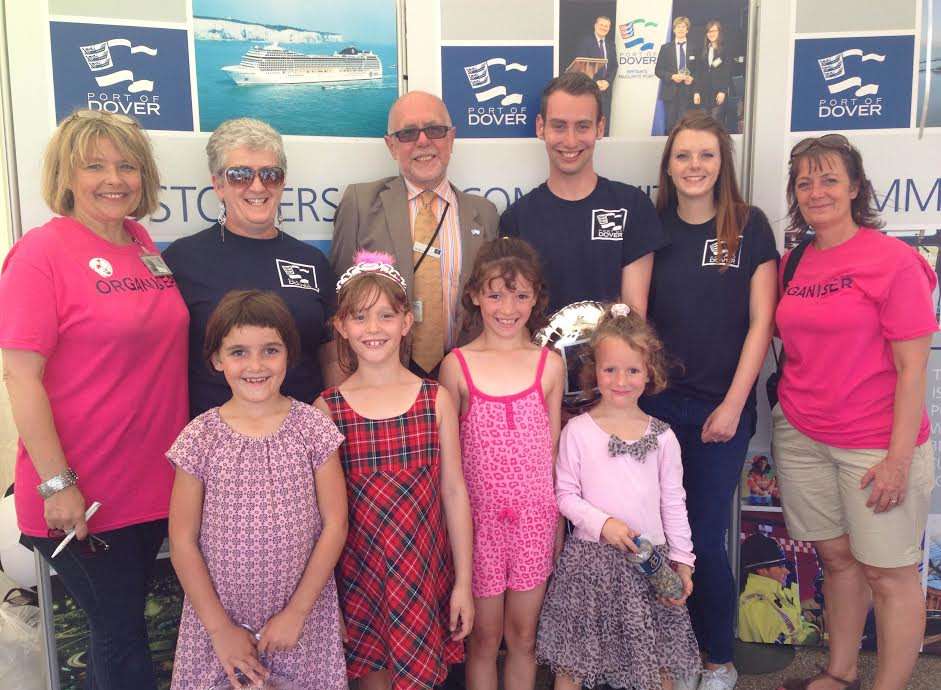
point(506, 447)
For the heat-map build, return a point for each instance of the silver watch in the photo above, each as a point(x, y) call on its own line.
point(57, 483)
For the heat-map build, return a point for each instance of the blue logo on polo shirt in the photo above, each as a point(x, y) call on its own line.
point(852, 83)
point(128, 70)
point(494, 91)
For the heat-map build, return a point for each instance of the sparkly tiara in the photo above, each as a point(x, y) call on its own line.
point(372, 262)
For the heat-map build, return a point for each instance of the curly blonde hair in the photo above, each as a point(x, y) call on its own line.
point(638, 335)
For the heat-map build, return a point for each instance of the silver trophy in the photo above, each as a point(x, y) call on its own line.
point(568, 331)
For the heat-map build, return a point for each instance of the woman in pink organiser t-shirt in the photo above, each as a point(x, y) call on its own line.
point(93, 333)
point(851, 446)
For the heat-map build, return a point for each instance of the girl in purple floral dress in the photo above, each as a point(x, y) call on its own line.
point(258, 516)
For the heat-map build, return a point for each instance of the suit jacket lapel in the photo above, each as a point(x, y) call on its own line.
point(470, 242)
point(394, 200)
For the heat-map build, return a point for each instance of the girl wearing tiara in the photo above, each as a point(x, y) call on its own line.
point(407, 608)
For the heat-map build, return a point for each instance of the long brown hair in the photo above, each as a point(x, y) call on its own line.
point(507, 258)
point(731, 209)
point(705, 41)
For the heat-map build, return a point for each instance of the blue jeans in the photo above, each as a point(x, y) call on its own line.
point(111, 587)
point(710, 474)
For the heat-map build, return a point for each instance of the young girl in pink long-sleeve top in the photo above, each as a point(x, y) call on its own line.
point(619, 476)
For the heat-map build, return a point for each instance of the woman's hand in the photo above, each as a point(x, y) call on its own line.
point(619, 535)
point(721, 424)
point(889, 481)
point(462, 612)
point(235, 648)
point(282, 631)
point(686, 575)
point(66, 509)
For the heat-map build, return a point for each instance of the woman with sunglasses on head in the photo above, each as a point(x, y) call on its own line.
point(246, 249)
point(712, 297)
point(93, 331)
point(851, 432)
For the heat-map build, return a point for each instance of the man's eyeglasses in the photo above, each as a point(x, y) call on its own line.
point(243, 175)
point(410, 134)
point(827, 141)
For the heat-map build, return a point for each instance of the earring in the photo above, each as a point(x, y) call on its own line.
point(220, 219)
point(280, 218)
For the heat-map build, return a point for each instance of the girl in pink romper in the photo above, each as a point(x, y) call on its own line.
point(510, 392)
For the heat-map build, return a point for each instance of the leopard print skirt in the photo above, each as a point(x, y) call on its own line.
point(601, 623)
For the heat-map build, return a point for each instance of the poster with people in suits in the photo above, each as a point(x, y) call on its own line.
point(655, 60)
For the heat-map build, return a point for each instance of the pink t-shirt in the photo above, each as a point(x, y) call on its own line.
point(114, 339)
point(842, 310)
point(591, 486)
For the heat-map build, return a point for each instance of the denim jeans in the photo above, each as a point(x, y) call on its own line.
point(111, 586)
point(711, 472)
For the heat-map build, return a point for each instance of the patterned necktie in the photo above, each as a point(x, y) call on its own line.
point(428, 335)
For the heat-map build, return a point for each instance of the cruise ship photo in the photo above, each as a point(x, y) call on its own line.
point(272, 64)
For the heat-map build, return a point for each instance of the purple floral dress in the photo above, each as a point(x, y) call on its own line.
point(259, 526)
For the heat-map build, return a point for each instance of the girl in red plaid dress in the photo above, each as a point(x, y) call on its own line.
point(405, 573)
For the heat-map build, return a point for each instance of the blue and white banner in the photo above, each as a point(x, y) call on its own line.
point(129, 70)
point(641, 28)
point(494, 91)
point(852, 83)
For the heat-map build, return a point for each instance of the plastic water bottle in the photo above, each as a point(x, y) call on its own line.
point(664, 580)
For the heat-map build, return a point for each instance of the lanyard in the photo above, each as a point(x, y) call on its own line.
point(434, 236)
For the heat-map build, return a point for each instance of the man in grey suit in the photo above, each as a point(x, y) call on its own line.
point(420, 218)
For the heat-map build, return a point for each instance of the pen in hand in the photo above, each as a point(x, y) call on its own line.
point(70, 535)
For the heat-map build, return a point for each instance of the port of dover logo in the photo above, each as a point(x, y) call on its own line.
point(128, 70)
point(637, 54)
point(493, 91)
point(852, 83)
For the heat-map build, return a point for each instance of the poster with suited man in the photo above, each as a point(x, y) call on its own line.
point(599, 45)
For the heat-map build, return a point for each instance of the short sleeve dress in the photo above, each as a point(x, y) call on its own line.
point(259, 526)
point(396, 573)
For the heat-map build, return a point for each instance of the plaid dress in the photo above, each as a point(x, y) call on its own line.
point(395, 574)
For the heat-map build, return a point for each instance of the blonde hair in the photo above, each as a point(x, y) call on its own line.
point(638, 335)
point(359, 293)
point(72, 143)
point(682, 20)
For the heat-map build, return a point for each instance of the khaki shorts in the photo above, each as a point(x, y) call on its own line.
point(822, 500)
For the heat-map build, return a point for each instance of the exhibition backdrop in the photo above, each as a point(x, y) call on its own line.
point(809, 68)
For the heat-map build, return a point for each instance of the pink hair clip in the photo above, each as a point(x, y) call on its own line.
point(366, 261)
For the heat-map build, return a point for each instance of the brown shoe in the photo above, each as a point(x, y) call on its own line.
point(803, 684)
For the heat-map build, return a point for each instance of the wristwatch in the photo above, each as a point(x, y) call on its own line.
point(57, 483)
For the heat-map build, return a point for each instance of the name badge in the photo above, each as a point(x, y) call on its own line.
point(433, 252)
point(417, 310)
point(156, 265)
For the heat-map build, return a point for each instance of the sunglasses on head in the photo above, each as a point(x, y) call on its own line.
point(99, 115)
point(243, 175)
point(410, 134)
point(827, 141)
